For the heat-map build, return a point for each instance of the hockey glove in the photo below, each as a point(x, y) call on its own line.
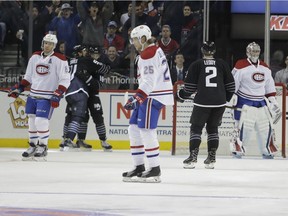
point(57, 95)
point(131, 103)
point(15, 90)
point(178, 98)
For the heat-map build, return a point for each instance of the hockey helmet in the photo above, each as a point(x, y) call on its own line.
point(253, 51)
point(94, 50)
point(208, 48)
point(50, 38)
point(140, 31)
point(77, 49)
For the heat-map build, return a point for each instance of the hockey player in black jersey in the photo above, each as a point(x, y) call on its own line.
point(83, 94)
point(211, 79)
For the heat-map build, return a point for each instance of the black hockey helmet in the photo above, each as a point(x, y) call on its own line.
point(94, 50)
point(78, 48)
point(208, 48)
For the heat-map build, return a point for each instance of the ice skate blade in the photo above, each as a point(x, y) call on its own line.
point(189, 166)
point(154, 179)
point(85, 149)
point(68, 149)
point(209, 166)
point(107, 150)
point(130, 179)
point(40, 159)
point(27, 158)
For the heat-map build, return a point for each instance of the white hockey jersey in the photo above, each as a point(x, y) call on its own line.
point(45, 74)
point(154, 75)
point(253, 82)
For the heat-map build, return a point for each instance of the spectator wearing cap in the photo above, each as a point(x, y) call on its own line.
point(65, 26)
point(93, 22)
point(113, 39)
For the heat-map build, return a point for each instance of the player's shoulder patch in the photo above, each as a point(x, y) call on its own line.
point(149, 52)
point(60, 56)
point(242, 63)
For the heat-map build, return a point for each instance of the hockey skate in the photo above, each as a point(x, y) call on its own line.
point(150, 176)
point(210, 160)
point(106, 146)
point(83, 146)
point(41, 153)
point(267, 156)
point(190, 162)
point(69, 145)
point(61, 145)
point(29, 153)
point(131, 176)
point(236, 155)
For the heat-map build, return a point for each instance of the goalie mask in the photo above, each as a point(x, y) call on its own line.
point(253, 52)
point(208, 48)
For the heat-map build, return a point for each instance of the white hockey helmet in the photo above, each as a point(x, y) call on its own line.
point(253, 51)
point(140, 31)
point(50, 38)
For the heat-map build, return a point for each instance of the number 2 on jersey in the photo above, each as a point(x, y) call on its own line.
point(212, 71)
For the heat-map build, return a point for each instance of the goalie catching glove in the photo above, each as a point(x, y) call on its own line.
point(139, 97)
point(57, 95)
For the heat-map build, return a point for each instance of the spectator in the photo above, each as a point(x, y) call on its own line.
point(141, 19)
point(61, 47)
point(39, 23)
point(124, 17)
point(191, 35)
point(276, 61)
point(93, 22)
point(179, 71)
point(188, 23)
point(113, 39)
point(281, 76)
point(65, 26)
point(167, 44)
point(118, 66)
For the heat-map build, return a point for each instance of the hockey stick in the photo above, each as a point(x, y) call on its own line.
point(125, 97)
point(6, 91)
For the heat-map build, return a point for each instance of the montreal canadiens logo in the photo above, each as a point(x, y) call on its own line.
point(42, 69)
point(258, 77)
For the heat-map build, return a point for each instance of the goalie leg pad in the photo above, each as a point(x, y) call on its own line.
point(265, 132)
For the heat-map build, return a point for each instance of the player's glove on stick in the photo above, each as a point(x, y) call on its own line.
point(178, 97)
point(131, 103)
point(17, 89)
point(56, 97)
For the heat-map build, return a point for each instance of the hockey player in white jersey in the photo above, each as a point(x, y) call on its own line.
point(254, 84)
point(154, 92)
point(48, 76)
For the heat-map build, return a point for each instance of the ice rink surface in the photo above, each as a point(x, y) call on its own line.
point(90, 183)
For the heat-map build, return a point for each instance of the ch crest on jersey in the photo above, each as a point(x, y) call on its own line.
point(42, 69)
point(258, 77)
